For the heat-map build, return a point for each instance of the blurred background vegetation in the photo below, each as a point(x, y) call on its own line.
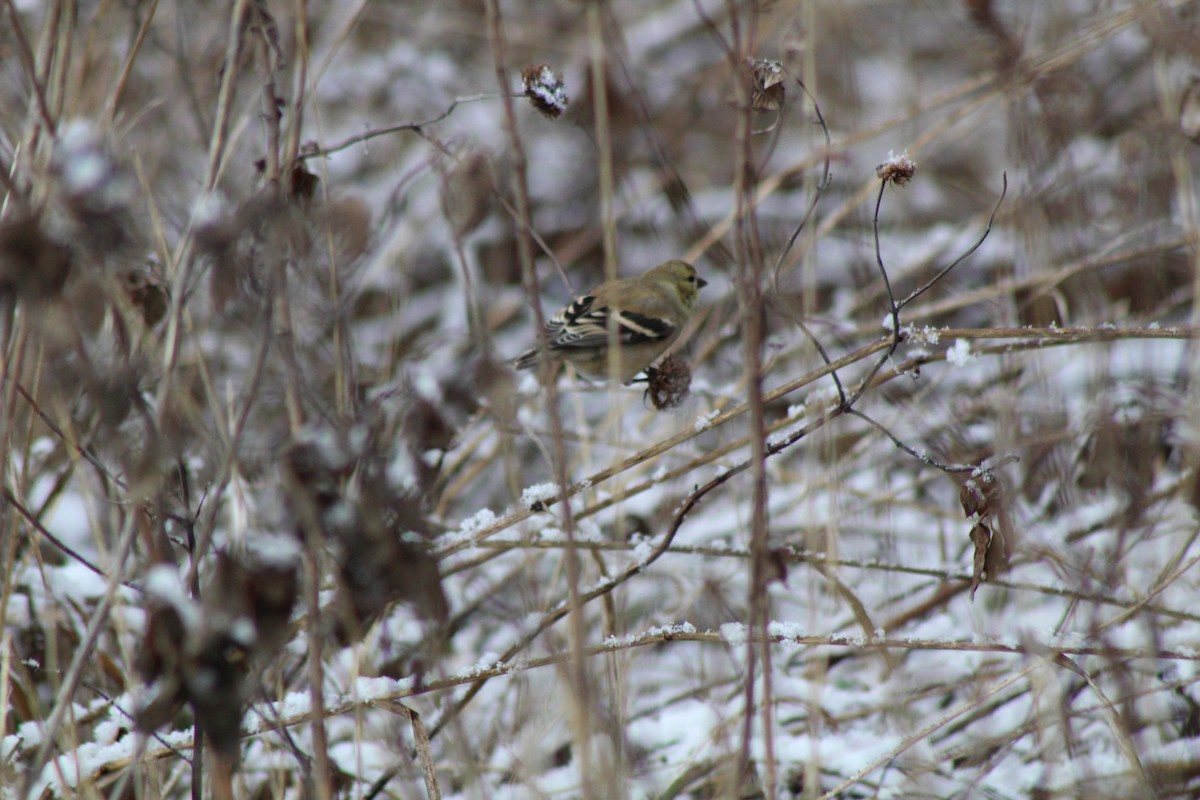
point(262, 267)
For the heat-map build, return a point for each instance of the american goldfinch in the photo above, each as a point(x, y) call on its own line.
point(643, 315)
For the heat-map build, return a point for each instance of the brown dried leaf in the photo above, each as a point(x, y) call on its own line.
point(776, 565)
point(23, 704)
point(768, 89)
point(304, 183)
point(981, 536)
point(1004, 536)
point(147, 293)
point(972, 499)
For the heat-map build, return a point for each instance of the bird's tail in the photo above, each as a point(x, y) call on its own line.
point(527, 360)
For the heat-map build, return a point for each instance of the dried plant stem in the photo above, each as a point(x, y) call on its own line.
point(750, 301)
point(25, 55)
point(291, 152)
point(272, 104)
point(928, 730)
point(99, 619)
point(597, 65)
point(581, 696)
point(1040, 283)
point(409, 127)
point(217, 141)
point(821, 559)
point(661, 635)
point(66, 549)
point(322, 770)
point(114, 99)
point(1016, 340)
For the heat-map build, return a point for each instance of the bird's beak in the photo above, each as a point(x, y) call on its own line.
point(701, 282)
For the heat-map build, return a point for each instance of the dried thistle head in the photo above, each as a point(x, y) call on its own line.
point(32, 265)
point(898, 169)
point(545, 89)
point(669, 382)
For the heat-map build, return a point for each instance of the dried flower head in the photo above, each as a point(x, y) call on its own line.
point(544, 88)
point(33, 266)
point(669, 382)
point(898, 169)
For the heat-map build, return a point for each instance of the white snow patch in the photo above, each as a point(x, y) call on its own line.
point(959, 354)
point(734, 633)
point(538, 493)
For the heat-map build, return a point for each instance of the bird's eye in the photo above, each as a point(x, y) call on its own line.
point(691, 278)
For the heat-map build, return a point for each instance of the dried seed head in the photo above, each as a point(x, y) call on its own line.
point(32, 265)
point(669, 382)
point(544, 88)
point(898, 169)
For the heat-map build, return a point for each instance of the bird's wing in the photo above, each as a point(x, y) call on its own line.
point(581, 324)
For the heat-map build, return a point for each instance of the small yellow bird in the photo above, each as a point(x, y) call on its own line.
point(643, 315)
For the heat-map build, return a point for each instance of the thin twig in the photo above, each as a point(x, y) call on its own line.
point(66, 549)
point(686, 633)
point(87, 455)
point(114, 99)
point(411, 127)
point(25, 56)
point(81, 658)
point(822, 185)
point(965, 255)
